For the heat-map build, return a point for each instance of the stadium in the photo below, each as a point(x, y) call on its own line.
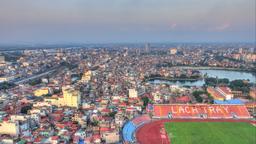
point(191, 123)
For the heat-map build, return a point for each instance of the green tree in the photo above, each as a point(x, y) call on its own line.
point(197, 95)
point(25, 109)
point(6, 85)
point(240, 85)
point(145, 101)
point(112, 114)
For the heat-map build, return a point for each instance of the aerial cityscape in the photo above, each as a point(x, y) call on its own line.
point(127, 72)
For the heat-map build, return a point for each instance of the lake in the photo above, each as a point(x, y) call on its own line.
point(231, 75)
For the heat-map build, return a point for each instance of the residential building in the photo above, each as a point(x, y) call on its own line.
point(133, 93)
point(41, 92)
point(86, 76)
point(70, 98)
point(173, 51)
point(252, 93)
point(10, 128)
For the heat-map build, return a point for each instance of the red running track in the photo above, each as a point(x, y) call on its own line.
point(150, 133)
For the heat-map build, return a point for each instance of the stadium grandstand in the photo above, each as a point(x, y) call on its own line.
point(128, 130)
point(131, 126)
point(198, 111)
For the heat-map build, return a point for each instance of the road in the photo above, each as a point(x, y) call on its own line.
point(34, 77)
point(50, 71)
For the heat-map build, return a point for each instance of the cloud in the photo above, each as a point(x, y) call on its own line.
point(173, 26)
point(222, 27)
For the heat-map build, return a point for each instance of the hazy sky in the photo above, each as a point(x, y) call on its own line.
point(92, 21)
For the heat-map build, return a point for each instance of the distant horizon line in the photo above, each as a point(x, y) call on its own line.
point(91, 43)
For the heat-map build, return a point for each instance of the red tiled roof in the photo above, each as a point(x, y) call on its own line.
point(214, 93)
point(54, 137)
point(183, 99)
point(226, 90)
point(122, 104)
point(38, 139)
point(106, 111)
point(96, 136)
point(104, 129)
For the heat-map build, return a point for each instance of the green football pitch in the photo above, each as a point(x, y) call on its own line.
point(211, 133)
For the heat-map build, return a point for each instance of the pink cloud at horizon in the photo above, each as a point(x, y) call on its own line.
point(223, 27)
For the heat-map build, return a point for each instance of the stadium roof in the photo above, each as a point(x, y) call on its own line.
point(233, 101)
